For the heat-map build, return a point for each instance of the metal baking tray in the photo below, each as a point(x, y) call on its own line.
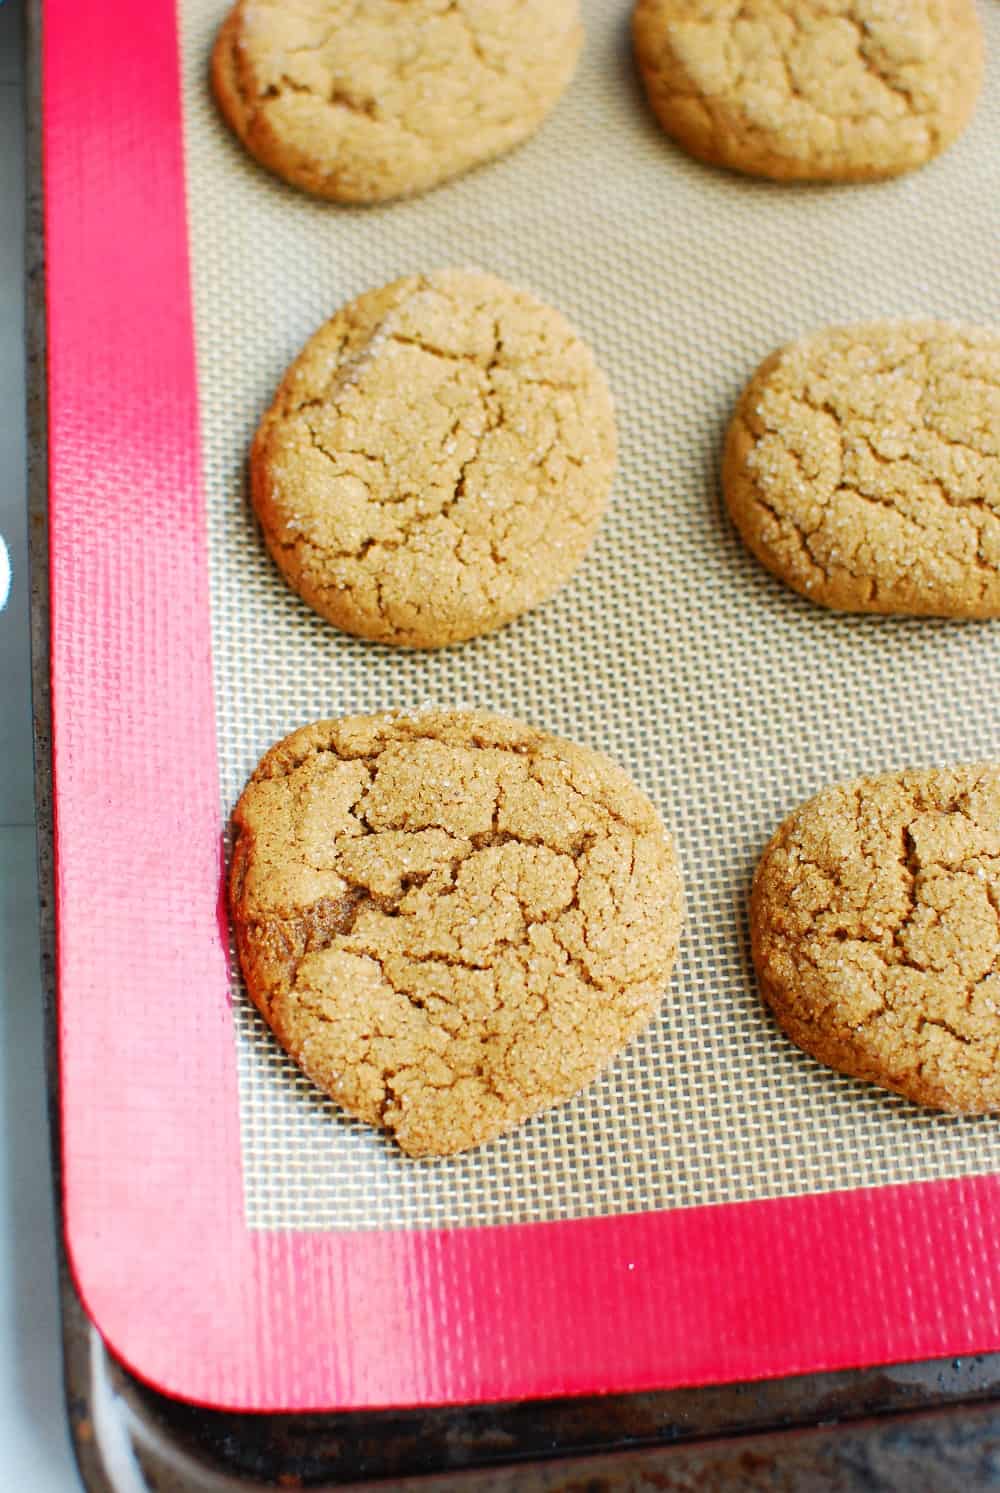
point(129, 1436)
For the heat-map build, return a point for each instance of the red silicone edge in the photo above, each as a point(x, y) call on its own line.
point(189, 1298)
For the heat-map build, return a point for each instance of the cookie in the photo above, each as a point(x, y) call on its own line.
point(436, 460)
point(452, 921)
point(875, 927)
point(811, 90)
point(365, 100)
point(862, 467)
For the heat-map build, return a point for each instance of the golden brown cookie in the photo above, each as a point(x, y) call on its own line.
point(862, 467)
point(436, 460)
point(875, 925)
point(811, 90)
point(451, 921)
point(363, 100)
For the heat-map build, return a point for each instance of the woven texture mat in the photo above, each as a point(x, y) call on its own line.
point(727, 697)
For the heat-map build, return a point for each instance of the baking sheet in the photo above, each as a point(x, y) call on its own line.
point(728, 698)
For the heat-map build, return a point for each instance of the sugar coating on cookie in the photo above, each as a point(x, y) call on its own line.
point(862, 466)
point(436, 460)
point(814, 90)
point(365, 100)
point(875, 927)
point(450, 921)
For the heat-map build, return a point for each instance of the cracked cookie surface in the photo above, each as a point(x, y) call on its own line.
point(811, 90)
point(436, 461)
point(365, 100)
point(450, 921)
point(875, 927)
point(862, 467)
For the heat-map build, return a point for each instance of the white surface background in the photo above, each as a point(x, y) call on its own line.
point(35, 1455)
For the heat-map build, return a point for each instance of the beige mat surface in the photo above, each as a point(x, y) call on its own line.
point(727, 697)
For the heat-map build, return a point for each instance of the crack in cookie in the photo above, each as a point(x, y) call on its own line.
point(862, 467)
point(811, 90)
point(450, 921)
point(366, 100)
point(876, 937)
point(436, 460)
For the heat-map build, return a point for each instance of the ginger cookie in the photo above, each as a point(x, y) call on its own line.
point(450, 921)
point(436, 460)
point(365, 100)
point(875, 926)
point(811, 90)
point(862, 467)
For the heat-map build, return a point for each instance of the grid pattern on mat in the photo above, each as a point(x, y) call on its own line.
point(727, 697)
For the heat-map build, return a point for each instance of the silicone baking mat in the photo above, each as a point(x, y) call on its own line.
point(289, 1257)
